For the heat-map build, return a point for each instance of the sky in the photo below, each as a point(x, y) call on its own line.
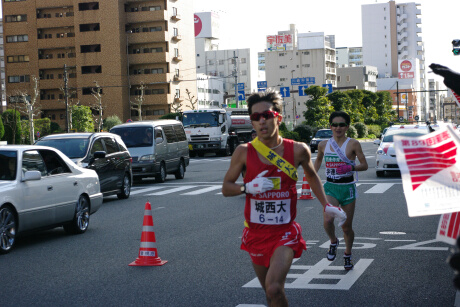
point(246, 23)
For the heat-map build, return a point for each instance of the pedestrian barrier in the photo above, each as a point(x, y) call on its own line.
point(306, 191)
point(148, 253)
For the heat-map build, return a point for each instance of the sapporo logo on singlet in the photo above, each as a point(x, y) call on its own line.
point(331, 165)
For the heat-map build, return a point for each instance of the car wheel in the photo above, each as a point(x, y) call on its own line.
point(7, 229)
point(180, 173)
point(192, 154)
point(312, 150)
point(161, 177)
point(380, 173)
point(80, 221)
point(125, 188)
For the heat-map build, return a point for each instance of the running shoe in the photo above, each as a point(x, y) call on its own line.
point(332, 251)
point(348, 262)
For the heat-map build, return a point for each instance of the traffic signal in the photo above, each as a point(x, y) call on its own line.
point(456, 46)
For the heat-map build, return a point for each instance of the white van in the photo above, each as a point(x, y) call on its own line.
point(157, 147)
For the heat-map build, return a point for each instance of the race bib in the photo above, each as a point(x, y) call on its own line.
point(271, 212)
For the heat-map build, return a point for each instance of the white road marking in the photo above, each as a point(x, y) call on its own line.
point(419, 246)
point(169, 191)
point(379, 188)
point(145, 190)
point(204, 190)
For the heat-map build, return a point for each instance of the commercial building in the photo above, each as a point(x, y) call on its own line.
point(291, 55)
point(392, 41)
point(360, 77)
point(210, 92)
point(126, 48)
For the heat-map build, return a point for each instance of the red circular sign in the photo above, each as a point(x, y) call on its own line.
point(406, 65)
point(198, 25)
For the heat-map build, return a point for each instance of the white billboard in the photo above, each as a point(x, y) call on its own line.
point(406, 69)
point(206, 25)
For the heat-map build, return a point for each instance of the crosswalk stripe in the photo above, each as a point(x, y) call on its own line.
point(379, 188)
point(145, 190)
point(204, 190)
point(169, 191)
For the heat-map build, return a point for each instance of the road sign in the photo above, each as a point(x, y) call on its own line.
point(38, 134)
point(285, 92)
point(416, 117)
point(241, 95)
point(310, 80)
point(329, 87)
point(240, 87)
point(129, 120)
point(261, 84)
point(401, 119)
point(302, 88)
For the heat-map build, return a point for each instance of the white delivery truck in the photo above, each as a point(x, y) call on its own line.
point(216, 130)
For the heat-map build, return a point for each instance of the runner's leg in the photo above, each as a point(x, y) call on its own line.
point(328, 221)
point(347, 227)
point(280, 263)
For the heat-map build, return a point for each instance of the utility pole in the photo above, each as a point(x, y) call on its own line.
point(397, 97)
point(235, 75)
point(66, 99)
point(127, 65)
point(294, 107)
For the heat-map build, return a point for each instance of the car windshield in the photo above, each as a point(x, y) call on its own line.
point(200, 119)
point(8, 162)
point(73, 148)
point(411, 133)
point(135, 136)
point(323, 134)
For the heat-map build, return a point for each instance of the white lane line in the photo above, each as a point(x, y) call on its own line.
point(379, 188)
point(204, 190)
point(169, 191)
point(145, 190)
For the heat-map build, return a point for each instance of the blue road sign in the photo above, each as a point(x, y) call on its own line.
point(329, 88)
point(299, 81)
point(302, 88)
point(240, 87)
point(285, 92)
point(241, 96)
point(261, 84)
point(309, 80)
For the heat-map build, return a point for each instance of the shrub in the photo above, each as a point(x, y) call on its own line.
point(172, 116)
point(291, 135)
point(2, 129)
point(371, 136)
point(352, 133)
point(12, 124)
point(374, 129)
point(110, 122)
point(55, 128)
point(305, 132)
point(361, 129)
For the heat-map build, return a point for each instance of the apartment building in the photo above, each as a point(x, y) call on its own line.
point(360, 77)
point(125, 47)
point(435, 100)
point(391, 34)
point(2, 70)
point(349, 56)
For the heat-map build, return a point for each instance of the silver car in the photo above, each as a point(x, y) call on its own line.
point(42, 188)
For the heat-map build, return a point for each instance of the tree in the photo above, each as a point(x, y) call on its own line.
point(139, 101)
point(318, 107)
point(2, 129)
point(82, 119)
point(383, 106)
point(12, 124)
point(340, 101)
point(190, 99)
point(30, 107)
point(70, 103)
point(98, 106)
point(111, 121)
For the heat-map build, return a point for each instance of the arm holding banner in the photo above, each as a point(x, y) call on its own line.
point(229, 187)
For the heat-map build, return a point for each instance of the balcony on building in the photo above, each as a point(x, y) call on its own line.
point(145, 58)
point(178, 99)
point(418, 30)
point(402, 35)
point(176, 17)
point(177, 58)
point(149, 78)
point(146, 16)
point(177, 78)
point(402, 17)
point(147, 37)
point(177, 37)
point(402, 45)
point(402, 26)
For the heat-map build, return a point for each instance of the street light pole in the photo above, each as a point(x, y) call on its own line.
point(294, 107)
point(127, 64)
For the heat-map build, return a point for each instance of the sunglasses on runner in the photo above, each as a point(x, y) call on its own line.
point(266, 114)
point(339, 125)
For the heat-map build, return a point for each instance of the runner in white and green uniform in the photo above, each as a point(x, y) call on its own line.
point(340, 153)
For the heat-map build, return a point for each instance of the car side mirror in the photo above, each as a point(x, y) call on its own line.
point(96, 155)
point(158, 140)
point(32, 175)
point(377, 142)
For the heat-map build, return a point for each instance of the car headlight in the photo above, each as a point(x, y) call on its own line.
point(147, 158)
point(381, 152)
point(215, 139)
point(313, 142)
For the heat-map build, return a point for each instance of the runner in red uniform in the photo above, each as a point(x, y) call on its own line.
point(271, 235)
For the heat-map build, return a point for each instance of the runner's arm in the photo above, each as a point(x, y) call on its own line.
point(361, 158)
point(310, 174)
point(229, 187)
point(320, 155)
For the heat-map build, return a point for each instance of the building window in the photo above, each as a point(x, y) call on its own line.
point(348, 78)
point(283, 66)
point(19, 79)
point(281, 54)
point(338, 78)
point(90, 27)
point(96, 69)
point(243, 72)
point(90, 48)
point(305, 52)
point(177, 93)
point(15, 18)
point(283, 79)
point(90, 6)
point(17, 58)
point(17, 38)
point(159, 112)
point(243, 60)
point(90, 90)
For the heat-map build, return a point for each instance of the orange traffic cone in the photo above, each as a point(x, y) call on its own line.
point(148, 254)
point(306, 192)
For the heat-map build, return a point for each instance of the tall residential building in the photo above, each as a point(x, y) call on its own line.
point(121, 46)
point(2, 70)
point(349, 56)
point(392, 35)
point(291, 55)
point(231, 66)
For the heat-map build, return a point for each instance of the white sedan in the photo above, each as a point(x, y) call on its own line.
point(386, 155)
point(42, 188)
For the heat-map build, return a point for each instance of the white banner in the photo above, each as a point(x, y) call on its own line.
point(448, 228)
point(430, 171)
